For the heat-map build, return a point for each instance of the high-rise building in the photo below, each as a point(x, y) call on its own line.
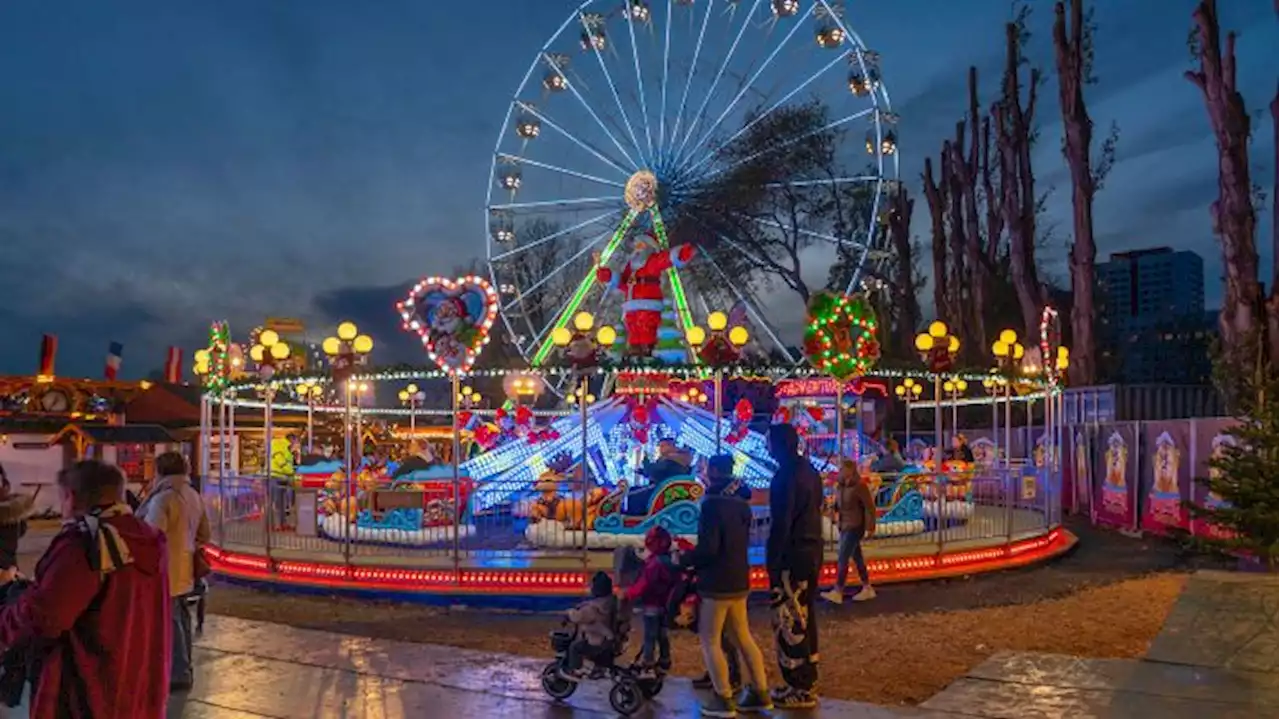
point(1152, 321)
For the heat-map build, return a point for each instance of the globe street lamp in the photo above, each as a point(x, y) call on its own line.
point(268, 352)
point(994, 385)
point(717, 348)
point(955, 388)
point(909, 391)
point(1008, 352)
point(412, 396)
point(938, 349)
point(309, 391)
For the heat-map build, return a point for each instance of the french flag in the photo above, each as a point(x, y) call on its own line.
point(173, 366)
point(115, 355)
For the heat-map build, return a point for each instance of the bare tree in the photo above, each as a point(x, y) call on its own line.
point(1014, 138)
point(935, 193)
point(1234, 220)
point(905, 281)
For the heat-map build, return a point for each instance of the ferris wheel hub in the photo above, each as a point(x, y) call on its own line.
point(641, 191)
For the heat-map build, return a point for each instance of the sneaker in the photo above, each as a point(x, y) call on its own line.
point(788, 698)
point(834, 595)
point(703, 682)
point(719, 706)
point(570, 675)
point(866, 593)
point(664, 665)
point(751, 702)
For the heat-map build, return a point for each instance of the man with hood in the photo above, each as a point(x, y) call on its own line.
point(102, 583)
point(793, 556)
point(175, 508)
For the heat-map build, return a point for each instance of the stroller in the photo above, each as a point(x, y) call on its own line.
point(632, 686)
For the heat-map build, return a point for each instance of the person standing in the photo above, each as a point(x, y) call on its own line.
point(175, 508)
point(857, 515)
point(14, 510)
point(98, 606)
point(794, 560)
point(723, 579)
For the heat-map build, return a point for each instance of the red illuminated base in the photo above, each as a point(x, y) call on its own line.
point(533, 582)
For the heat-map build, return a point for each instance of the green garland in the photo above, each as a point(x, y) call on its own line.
point(840, 339)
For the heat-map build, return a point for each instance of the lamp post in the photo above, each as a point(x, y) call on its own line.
point(309, 391)
point(717, 348)
point(356, 390)
point(938, 348)
point(955, 388)
point(994, 385)
point(1008, 351)
point(268, 352)
point(412, 396)
point(583, 352)
point(347, 350)
point(469, 398)
point(909, 391)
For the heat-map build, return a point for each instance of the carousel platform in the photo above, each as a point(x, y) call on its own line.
point(474, 571)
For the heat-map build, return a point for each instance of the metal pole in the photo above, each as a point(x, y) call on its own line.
point(937, 424)
point(310, 431)
point(586, 475)
point(1049, 461)
point(1008, 423)
point(222, 484)
point(413, 418)
point(350, 503)
point(718, 404)
point(906, 447)
point(268, 483)
point(457, 450)
point(955, 412)
point(857, 431)
point(995, 422)
point(840, 419)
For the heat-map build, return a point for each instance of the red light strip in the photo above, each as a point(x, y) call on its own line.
point(561, 583)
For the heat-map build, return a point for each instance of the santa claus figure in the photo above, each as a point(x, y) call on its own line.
point(641, 282)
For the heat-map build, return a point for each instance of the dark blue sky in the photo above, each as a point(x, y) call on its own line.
point(166, 163)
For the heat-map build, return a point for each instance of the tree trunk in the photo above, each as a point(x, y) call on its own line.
point(1013, 129)
point(934, 192)
point(1078, 142)
point(979, 272)
point(957, 316)
point(995, 220)
point(1273, 303)
point(1233, 217)
point(906, 304)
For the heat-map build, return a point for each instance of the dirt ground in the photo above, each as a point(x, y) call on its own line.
point(1107, 599)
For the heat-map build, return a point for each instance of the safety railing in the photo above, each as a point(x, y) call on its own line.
point(917, 514)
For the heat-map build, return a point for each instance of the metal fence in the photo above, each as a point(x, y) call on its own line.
point(919, 514)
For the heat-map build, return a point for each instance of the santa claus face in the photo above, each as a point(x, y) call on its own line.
point(448, 318)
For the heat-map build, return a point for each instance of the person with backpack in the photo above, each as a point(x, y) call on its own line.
point(98, 608)
point(176, 509)
point(793, 556)
point(723, 580)
point(653, 590)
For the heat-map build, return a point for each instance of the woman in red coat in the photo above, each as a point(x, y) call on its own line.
point(103, 583)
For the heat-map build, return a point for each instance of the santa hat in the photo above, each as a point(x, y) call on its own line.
point(456, 304)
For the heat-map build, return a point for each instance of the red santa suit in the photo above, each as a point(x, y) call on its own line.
point(641, 281)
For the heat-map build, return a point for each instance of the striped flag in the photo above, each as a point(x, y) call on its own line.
point(115, 355)
point(48, 354)
point(173, 366)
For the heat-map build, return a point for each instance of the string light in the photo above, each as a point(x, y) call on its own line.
point(841, 336)
point(475, 331)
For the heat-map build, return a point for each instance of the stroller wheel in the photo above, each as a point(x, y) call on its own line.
point(626, 696)
point(650, 687)
point(556, 686)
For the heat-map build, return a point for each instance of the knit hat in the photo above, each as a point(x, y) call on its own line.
point(657, 540)
point(601, 585)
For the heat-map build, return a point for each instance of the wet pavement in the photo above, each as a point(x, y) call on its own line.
point(258, 669)
point(1215, 657)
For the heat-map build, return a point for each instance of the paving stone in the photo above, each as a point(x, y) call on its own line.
point(1222, 619)
point(1010, 700)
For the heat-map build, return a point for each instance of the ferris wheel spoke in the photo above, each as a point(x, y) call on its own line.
point(772, 148)
point(786, 98)
point(807, 233)
point(553, 236)
point(871, 236)
point(693, 124)
point(666, 65)
point(752, 310)
point(693, 70)
point(613, 89)
point(526, 107)
point(644, 104)
point(746, 86)
point(556, 168)
point(551, 275)
point(541, 204)
point(591, 111)
point(856, 179)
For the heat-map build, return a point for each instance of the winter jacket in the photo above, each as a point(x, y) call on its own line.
point(795, 511)
point(175, 508)
point(664, 468)
point(658, 576)
point(105, 614)
point(720, 559)
point(856, 506)
point(594, 619)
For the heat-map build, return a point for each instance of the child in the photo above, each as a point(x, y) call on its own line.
point(595, 620)
point(652, 590)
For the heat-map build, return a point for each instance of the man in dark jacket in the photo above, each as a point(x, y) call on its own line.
point(794, 560)
point(724, 581)
point(102, 583)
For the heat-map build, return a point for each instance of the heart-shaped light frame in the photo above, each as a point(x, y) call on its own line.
point(441, 288)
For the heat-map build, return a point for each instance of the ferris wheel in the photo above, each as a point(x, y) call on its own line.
point(639, 116)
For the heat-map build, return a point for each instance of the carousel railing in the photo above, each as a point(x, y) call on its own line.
point(916, 514)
